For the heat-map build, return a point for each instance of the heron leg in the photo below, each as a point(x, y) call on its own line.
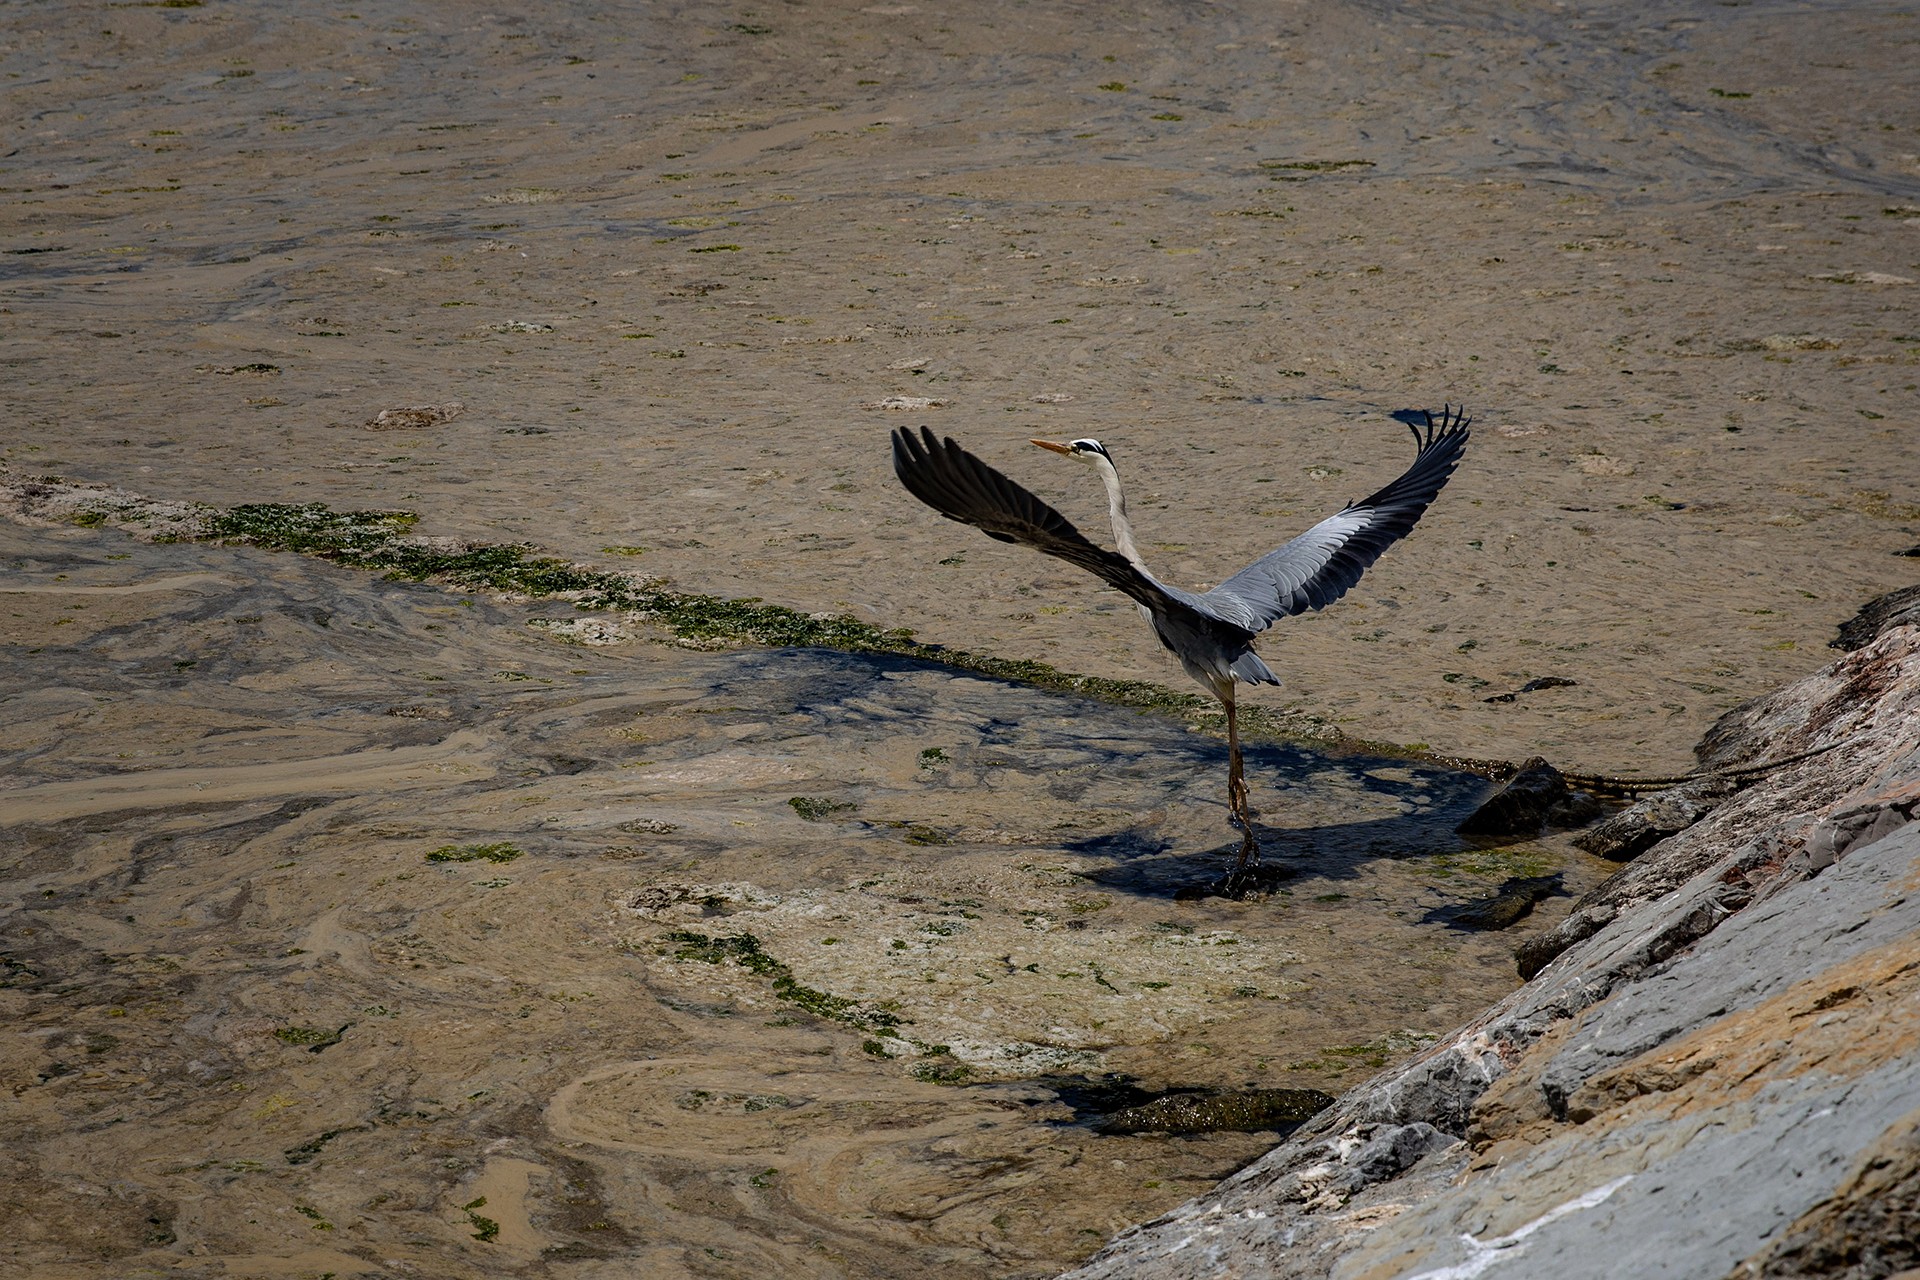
point(1237, 799)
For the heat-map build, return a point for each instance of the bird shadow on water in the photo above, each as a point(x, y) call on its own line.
point(1411, 811)
point(1020, 744)
point(1146, 863)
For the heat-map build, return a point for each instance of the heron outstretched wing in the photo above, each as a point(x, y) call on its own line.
point(961, 487)
point(1320, 565)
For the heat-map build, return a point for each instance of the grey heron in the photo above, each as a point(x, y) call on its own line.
point(1210, 632)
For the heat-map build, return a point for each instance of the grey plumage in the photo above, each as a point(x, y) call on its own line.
point(1210, 632)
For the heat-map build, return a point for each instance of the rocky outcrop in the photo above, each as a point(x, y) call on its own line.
point(1711, 1072)
point(1895, 609)
point(1629, 833)
point(1536, 796)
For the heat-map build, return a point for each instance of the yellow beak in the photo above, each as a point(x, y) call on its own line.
point(1048, 444)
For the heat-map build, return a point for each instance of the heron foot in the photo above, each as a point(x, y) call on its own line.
point(1247, 869)
point(1253, 882)
point(1233, 881)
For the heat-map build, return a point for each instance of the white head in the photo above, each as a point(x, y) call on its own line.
point(1085, 450)
point(1095, 454)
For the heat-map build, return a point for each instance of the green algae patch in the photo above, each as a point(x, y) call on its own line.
point(818, 808)
point(745, 950)
point(942, 1071)
point(382, 541)
point(1375, 1053)
point(312, 1039)
point(379, 540)
point(486, 1230)
point(741, 949)
point(310, 528)
point(498, 853)
point(1513, 860)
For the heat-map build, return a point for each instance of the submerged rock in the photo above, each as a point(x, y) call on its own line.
point(1534, 686)
point(1247, 1112)
point(1511, 903)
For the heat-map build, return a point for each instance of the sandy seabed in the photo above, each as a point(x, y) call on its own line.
point(641, 286)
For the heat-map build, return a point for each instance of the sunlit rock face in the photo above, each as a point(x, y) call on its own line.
point(1720, 1034)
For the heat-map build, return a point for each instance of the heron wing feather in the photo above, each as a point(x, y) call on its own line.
point(1322, 564)
point(961, 487)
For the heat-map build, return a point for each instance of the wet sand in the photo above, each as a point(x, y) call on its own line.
point(665, 259)
point(651, 277)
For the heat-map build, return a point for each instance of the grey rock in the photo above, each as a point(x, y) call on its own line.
point(1394, 1151)
point(1631, 832)
point(1870, 1229)
point(1791, 938)
point(1534, 797)
point(1833, 837)
point(1895, 609)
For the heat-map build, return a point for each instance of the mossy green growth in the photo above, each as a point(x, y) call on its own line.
point(305, 1035)
point(310, 528)
point(1521, 860)
point(501, 852)
point(942, 1071)
point(486, 1230)
point(814, 808)
point(1374, 1053)
point(838, 1008)
point(378, 540)
point(742, 949)
point(745, 950)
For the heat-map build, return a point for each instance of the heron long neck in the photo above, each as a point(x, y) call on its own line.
point(1117, 511)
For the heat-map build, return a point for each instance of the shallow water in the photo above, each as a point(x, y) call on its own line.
point(372, 900)
point(651, 268)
